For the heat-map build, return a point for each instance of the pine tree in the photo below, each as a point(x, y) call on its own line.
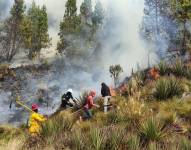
point(12, 40)
point(98, 14)
point(39, 30)
point(86, 8)
point(69, 25)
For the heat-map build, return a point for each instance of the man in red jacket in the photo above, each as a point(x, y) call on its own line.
point(89, 104)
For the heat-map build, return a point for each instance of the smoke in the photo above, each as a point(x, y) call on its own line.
point(121, 40)
point(4, 8)
point(119, 43)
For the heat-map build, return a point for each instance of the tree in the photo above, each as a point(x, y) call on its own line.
point(39, 30)
point(98, 14)
point(86, 8)
point(69, 25)
point(11, 40)
point(115, 71)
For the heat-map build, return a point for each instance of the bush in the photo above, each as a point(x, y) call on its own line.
point(96, 139)
point(133, 143)
point(168, 88)
point(185, 144)
point(115, 138)
point(55, 125)
point(178, 68)
point(151, 130)
point(163, 68)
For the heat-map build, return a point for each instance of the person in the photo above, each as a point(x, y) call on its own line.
point(89, 104)
point(105, 92)
point(66, 99)
point(35, 121)
point(154, 73)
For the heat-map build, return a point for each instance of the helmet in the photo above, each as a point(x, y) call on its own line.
point(70, 90)
point(34, 107)
point(93, 93)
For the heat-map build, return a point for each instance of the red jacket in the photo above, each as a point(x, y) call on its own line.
point(89, 102)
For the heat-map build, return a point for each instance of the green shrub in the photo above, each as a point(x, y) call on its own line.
point(82, 98)
point(78, 140)
point(163, 68)
point(185, 144)
point(55, 125)
point(115, 138)
point(168, 88)
point(178, 68)
point(133, 143)
point(151, 130)
point(96, 139)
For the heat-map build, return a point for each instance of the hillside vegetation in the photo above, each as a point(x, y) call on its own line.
point(155, 116)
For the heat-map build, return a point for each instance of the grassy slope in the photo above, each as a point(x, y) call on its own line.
point(139, 121)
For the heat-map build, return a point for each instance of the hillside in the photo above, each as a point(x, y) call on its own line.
point(151, 114)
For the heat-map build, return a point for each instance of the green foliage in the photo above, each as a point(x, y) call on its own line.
point(11, 39)
point(151, 130)
point(178, 68)
point(98, 14)
point(115, 71)
point(134, 143)
point(96, 139)
point(86, 8)
point(56, 125)
point(166, 88)
point(78, 139)
point(185, 144)
point(39, 37)
point(115, 138)
point(163, 68)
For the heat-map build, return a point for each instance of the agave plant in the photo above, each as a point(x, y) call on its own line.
point(96, 139)
point(185, 144)
point(163, 68)
point(115, 138)
point(178, 68)
point(134, 143)
point(151, 130)
point(167, 88)
point(78, 140)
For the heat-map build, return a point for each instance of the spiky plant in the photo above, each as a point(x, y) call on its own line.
point(168, 88)
point(55, 125)
point(96, 139)
point(115, 139)
point(82, 98)
point(151, 130)
point(178, 68)
point(185, 144)
point(163, 68)
point(78, 140)
point(133, 143)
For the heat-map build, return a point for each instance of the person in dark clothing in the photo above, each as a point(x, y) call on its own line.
point(105, 92)
point(66, 99)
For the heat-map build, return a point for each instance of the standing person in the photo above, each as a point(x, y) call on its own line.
point(35, 121)
point(105, 92)
point(89, 104)
point(66, 99)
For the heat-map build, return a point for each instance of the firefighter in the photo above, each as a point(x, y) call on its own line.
point(35, 121)
point(66, 99)
point(154, 73)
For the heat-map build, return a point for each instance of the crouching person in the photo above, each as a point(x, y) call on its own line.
point(35, 121)
point(65, 100)
point(89, 104)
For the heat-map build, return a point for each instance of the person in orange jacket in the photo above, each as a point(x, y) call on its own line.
point(89, 104)
point(35, 121)
point(154, 73)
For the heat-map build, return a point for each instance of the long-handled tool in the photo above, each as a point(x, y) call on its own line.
point(23, 105)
